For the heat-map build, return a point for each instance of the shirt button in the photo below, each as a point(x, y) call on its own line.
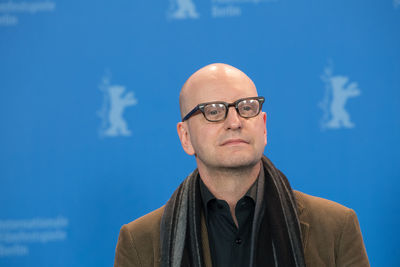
point(238, 241)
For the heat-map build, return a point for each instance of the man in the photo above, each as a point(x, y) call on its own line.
point(236, 208)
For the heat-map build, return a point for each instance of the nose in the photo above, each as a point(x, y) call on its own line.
point(233, 120)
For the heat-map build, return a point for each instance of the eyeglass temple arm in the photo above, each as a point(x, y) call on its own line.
point(191, 113)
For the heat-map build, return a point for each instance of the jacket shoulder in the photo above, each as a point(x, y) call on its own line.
point(139, 241)
point(146, 225)
point(331, 233)
point(309, 203)
point(324, 218)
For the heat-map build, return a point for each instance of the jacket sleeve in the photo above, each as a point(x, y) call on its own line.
point(126, 254)
point(351, 250)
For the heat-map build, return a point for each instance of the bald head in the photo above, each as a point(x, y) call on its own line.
point(211, 83)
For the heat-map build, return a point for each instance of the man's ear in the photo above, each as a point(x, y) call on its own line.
point(265, 127)
point(184, 136)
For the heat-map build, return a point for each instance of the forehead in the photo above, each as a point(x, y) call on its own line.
point(228, 86)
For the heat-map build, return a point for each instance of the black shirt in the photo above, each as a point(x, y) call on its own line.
point(229, 245)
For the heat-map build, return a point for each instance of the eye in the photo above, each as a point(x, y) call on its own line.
point(213, 112)
point(247, 108)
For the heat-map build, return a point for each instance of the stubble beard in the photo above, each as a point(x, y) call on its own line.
point(236, 166)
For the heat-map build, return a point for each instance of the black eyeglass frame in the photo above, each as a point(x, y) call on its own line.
point(200, 107)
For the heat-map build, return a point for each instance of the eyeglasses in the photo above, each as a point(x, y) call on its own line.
point(218, 111)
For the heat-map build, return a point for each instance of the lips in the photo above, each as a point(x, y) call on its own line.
point(234, 141)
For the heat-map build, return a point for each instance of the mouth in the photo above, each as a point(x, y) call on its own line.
point(235, 141)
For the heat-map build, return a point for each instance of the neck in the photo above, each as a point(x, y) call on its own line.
point(229, 184)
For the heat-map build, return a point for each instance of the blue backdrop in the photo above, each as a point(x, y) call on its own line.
point(89, 106)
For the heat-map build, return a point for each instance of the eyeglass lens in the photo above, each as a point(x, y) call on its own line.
point(247, 108)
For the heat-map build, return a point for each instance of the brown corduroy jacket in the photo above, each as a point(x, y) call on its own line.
point(330, 232)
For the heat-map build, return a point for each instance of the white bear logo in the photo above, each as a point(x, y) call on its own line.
point(182, 9)
point(115, 102)
point(338, 91)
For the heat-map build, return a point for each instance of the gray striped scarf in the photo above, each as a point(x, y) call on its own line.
point(181, 226)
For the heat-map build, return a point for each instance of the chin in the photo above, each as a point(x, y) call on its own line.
point(230, 160)
point(240, 162)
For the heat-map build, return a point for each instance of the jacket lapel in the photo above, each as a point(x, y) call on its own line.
point(303, 224)
point(206, 245)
